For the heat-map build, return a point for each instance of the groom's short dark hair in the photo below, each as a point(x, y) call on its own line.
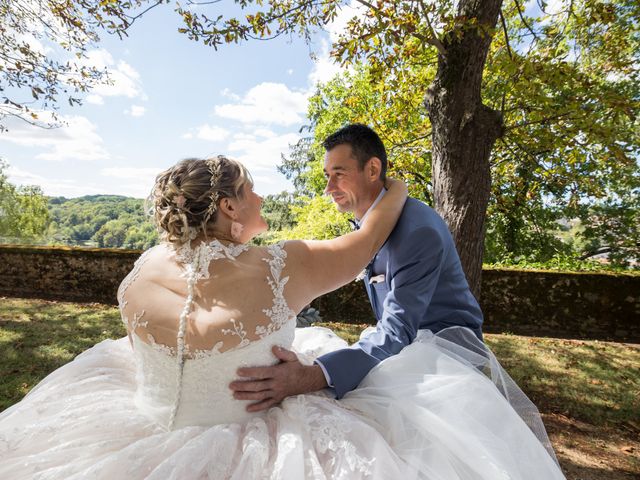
point(364, 142)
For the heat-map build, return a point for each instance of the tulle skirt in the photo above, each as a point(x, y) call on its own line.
point(442, 409)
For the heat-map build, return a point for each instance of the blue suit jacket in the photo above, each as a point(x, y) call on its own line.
point(423, 287)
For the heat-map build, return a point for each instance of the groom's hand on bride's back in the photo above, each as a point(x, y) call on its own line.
point(268, 386)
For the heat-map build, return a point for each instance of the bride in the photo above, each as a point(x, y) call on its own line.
point(157, 404)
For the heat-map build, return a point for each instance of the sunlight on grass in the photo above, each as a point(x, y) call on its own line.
point(37, 336)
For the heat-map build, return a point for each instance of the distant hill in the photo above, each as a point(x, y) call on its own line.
point(115, 221)
point(100, 221)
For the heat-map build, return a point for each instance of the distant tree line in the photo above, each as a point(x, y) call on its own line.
point(23, 210)
point(104, 221)
point(113, 221)
point(27, 216)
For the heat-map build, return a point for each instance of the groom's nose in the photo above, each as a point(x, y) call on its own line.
point(330, 186)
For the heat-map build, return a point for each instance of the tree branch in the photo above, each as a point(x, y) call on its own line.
point(506, 34)
point(5, 112)
point(368, 5)
point(191, 2)
point(134, 18)
point(409, 142)
point(433, 40)
point(535, 122)
point(521, 15)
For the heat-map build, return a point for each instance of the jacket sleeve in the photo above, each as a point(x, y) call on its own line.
point(414, 267)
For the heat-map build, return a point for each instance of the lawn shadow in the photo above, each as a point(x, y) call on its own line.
point(36, 337)
point(590, 381)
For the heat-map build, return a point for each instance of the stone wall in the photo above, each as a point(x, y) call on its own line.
point(541, 303)
point(64, 273)
point(527, 302)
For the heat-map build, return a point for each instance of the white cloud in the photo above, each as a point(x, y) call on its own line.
point(265, 104)
point(261, 181)
point(262, 154)
point(124, 79)
point(135, 111)
point(324, 67)
point(290, 71)
point(133, 181)
point(345, 14)
point(210, 133)
point(227, 93)
point(130, 173)
point(78, 139)
point(51, 186)
point(95, 99)
point(99, 59)
point(242, 136)
point(264, 132)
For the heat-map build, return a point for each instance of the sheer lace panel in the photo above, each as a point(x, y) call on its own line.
point(122, 289)
point(239, 297)
point(280, 312)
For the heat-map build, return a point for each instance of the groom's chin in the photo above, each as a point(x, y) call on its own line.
point(341, 208)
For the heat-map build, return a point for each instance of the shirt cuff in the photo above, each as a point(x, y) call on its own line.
point(327, 377)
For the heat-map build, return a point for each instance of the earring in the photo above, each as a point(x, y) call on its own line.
point(236, 230)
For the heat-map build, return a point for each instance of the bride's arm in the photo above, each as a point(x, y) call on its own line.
point(320, 266)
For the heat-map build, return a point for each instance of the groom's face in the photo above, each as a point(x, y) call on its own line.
point(350, 187)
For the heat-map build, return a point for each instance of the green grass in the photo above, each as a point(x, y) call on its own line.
point(37, 336)
point(596, 382)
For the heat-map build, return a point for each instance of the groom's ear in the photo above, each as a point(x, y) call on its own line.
point(373, 169)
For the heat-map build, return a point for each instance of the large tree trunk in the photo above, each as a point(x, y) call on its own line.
point(464, 132)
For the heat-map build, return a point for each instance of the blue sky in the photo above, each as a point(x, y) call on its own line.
point(173, 98)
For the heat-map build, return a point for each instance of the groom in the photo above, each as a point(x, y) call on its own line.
point(414, 282)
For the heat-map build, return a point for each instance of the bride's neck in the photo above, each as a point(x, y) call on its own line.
point(212, 236)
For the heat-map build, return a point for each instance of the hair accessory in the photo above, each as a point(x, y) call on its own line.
point(216, 173)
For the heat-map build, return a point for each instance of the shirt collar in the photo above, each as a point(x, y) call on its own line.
point(375, 202)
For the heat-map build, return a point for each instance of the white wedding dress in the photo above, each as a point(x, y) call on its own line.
point(116, 412)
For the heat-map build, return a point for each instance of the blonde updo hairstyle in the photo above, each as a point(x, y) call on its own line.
point(185, 198)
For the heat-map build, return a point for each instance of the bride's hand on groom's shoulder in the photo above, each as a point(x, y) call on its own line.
point(268, 386)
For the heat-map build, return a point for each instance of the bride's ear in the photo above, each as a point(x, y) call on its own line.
point(228, 207)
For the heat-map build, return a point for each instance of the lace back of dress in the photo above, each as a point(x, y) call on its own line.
point(172, 360)
point(196, 263)
point(192, 278)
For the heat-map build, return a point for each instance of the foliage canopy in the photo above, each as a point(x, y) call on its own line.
point(23, 211)
point(43, 47)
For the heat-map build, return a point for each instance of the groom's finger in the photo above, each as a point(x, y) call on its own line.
point(256, 372)
point(263, 395)
point(250, 386)
point(284, 354)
